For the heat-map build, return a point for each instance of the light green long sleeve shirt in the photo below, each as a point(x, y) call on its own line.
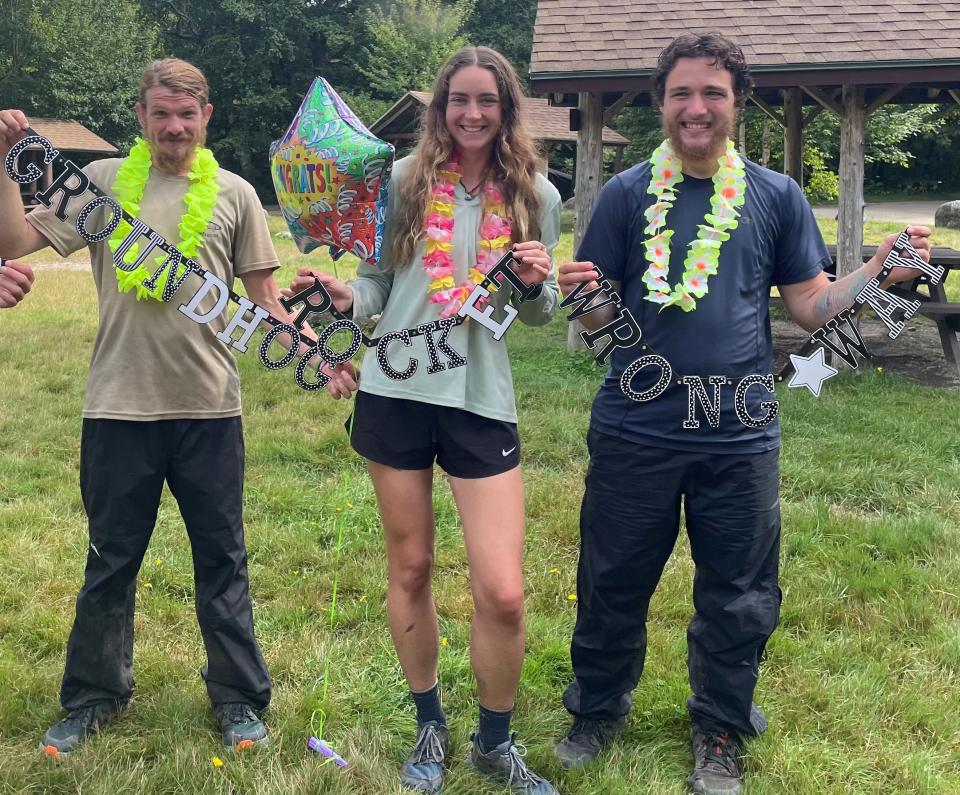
point(484, 385)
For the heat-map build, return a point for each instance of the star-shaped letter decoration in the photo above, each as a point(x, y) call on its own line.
point(810, 371)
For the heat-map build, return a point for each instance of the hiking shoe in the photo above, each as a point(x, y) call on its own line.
point(239, 725)
point(423, 769)
point(66, 734)
point(585, 740)
point(716, 762)
point(505, 764)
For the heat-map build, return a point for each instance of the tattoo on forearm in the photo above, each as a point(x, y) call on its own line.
point(839, 295)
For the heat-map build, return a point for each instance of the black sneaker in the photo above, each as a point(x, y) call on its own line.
point(585, 740)
point(239, 725)
point(505, 764)
point(66, 734)
point(716, 762)
point(423, 769)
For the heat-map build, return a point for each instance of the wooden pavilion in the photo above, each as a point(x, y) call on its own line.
point(844, 56)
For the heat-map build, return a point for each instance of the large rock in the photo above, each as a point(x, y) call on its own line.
point(948, 215)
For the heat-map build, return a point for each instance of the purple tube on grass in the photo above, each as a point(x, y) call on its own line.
point(320, 747)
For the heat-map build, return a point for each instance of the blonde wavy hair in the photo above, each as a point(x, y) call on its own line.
point(513, 163)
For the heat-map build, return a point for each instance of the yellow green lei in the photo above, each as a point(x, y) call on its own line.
point(200, 199)
point(703, 255)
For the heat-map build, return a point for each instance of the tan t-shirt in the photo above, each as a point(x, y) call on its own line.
point(151, 362)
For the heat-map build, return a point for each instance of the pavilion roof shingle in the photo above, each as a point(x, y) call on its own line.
point(71, 136)
point(577, 36)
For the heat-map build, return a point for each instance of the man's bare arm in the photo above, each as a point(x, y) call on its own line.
point(17, 237)
point(813, 302)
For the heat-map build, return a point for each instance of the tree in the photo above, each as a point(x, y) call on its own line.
point(56, 61)
point(506, 26)
point(642, 126)
point(407, 41)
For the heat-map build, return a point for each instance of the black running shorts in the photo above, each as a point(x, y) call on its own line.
point(409, 434)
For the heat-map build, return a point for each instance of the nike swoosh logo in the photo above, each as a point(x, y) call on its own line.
point(507, 452)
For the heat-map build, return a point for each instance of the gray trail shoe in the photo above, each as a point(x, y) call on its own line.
point(66, 734)
point(423, 769)
point(239, 725)
point(716, 762)
point(585, 740)
point(505, 764)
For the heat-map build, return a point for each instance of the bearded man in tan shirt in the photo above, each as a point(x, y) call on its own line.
point(162, 404)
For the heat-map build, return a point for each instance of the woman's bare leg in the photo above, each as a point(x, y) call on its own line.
point(491, 510)
point(405, 497)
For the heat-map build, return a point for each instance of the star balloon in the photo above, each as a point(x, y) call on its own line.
point(331, 175)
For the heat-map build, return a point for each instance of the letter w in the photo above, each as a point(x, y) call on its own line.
point(582, 301)
point(845, 345)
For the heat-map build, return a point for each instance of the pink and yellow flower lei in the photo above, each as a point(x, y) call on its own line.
point(495, 238)
point(703, 255)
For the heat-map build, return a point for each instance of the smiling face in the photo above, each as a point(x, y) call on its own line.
point(473, 111)
point(175, 124)
point(699, 109)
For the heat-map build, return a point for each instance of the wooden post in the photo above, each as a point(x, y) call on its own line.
point(793, 134)
point(588, 178)
point(765, 143)
point(850, 218)
point(589, 162)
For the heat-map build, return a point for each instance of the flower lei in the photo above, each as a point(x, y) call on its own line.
point(201, 196)
point(703, 255)
point(495, 237)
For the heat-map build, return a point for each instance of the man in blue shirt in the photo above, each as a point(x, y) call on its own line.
point(691, 241)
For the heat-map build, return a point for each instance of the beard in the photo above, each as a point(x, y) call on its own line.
point(175, 155)
point(709, 149)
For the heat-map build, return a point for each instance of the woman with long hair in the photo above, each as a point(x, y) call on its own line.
point(469, 192)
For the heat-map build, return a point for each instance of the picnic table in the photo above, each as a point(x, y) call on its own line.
point(934, 301)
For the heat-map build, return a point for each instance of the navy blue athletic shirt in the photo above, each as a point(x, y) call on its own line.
point(776, 242)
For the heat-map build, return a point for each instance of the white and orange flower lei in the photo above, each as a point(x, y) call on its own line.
point(703, 255)
point(494, 239)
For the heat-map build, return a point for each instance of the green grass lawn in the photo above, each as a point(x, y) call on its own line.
point(860, 686)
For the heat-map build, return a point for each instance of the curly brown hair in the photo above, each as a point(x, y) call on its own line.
point(514, 160)
point(723, 52)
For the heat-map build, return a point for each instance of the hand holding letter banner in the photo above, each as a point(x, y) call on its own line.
point(840, 333)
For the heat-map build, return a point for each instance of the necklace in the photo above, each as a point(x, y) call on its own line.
point(471, 192)
point(200, 199)
point(703, 254)
point(494, 238)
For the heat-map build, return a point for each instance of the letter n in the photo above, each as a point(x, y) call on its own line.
point(696, 391)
